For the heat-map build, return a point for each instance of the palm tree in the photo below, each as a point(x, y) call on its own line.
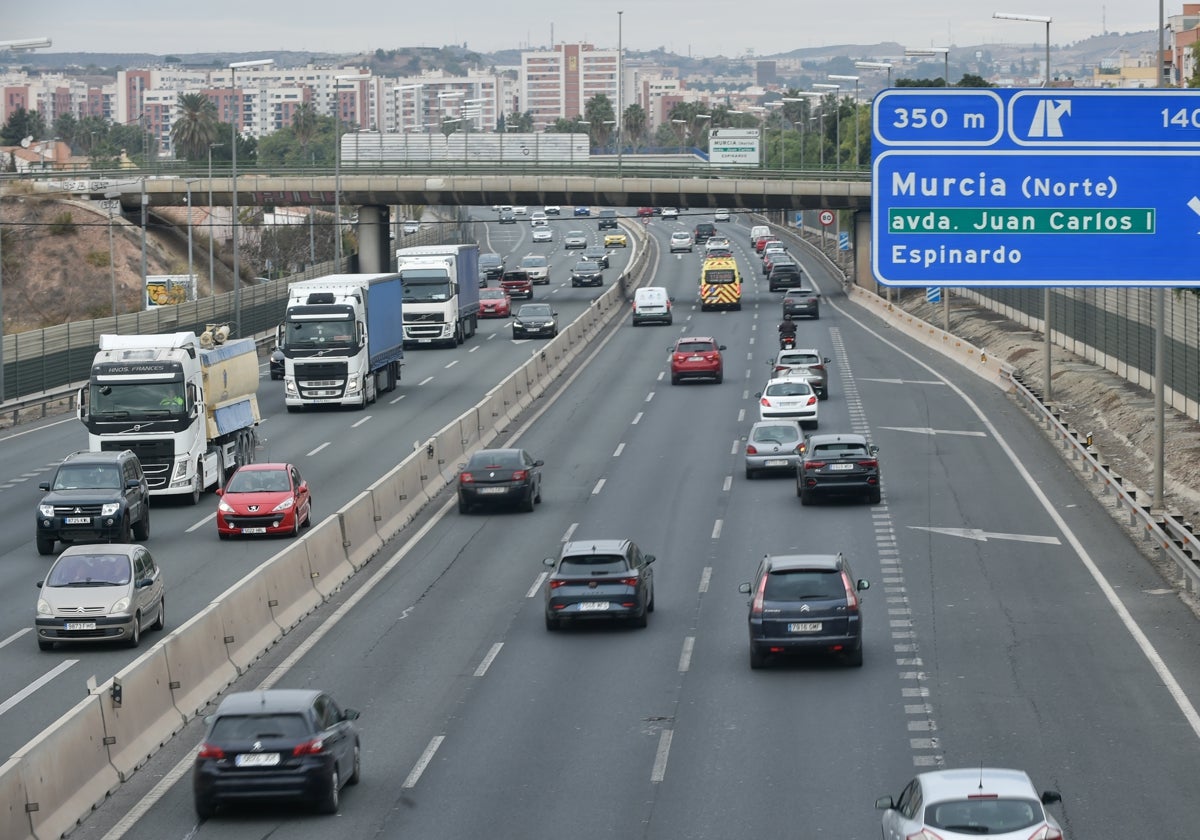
point(304, 124)
point(633, 125)
point(195, 127)
point(598, 111)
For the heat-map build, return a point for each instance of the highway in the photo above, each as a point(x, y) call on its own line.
point(1010, 621)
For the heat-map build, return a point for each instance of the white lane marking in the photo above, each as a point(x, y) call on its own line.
point(620, 448)
point(38, 429)
point(741, 415)
point(746, 394)
point(452, 364)
point(716, 532)
point(423, 762)
point(728, 483)
point(637, 418)
point(737, 444)
point(924, 430)
point(983, 536)
point(660, 758)
point(598, 487)
point(650, 396)
point(902, 381)
point(566, 537)
point(313, 452)
point(489, 659)
point(360, 422)
point(473, 349)
point(705, 578)
point(493, 335)
point(750, 357)
point(685, 655)
point(661, 374)
point(15, 636)
point(402, 396)
point(537, 585)
point(36, 684)
point(202, 522)
point(425, 380)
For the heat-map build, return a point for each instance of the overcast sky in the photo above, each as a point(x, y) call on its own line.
point(698, 27)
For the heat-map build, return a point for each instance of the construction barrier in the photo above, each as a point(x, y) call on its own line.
point(14, 822)
point(290, 586)
point(66, 771)
point(143, 717)
point(359, 538)
point(249, 626)
point(327, 556)
point(196, 660)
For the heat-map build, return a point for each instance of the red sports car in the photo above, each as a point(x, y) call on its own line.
point(494, 303)
point(264, 499)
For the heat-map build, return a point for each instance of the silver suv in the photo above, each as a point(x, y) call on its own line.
point(805, 363)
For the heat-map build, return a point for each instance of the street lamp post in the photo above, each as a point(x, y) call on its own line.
point(191, 270)
point(857, 148)
point(695, 137)
point(876, 65)
point(837, 123)
point(211, 233)
point(782, 148)
point(620, 90)
point(680, 132)
point(337, 162)
point(234, 66)
point(110, 196)
point(944, 52)
point(1046, 296)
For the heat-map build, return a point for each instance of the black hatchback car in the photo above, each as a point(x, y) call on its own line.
point(597, 254)
point(587, 273)
point(282, 744)
point(94, 497)
point(838, 465)
point(491, 266)
point(598, 579)
point(500, 476)
point(805, 603)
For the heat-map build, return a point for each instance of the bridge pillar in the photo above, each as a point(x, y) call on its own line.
point(374, 240)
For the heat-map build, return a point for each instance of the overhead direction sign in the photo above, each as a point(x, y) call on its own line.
point(733, 146)
point(1044, 187)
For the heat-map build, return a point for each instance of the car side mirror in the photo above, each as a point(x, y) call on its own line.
point(885, 803)
point(758, 395)
point(539, 463)
point(143, 583)
point(220, 491)
point(826, 360)
point(744, 588)
point(555, 314)
point(648, 559)
point(45, 485)
point(863, 584)
point(132, 484)
point(549, 561)
point(1049, 797)
point(350, 714)
point(720, 346)
point(38, 585)
point(874, 450)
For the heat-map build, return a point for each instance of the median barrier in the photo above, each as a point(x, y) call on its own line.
point(196, 661)
point(246, 618)
point(397, 497)
point(14, 821)
point(290, 585)
point(359, 537)
point(327, 556)
point(510, 392)
point(450, 451)
point(145, 717)
point(66, 771)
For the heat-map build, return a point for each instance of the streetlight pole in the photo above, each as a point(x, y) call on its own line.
point(110, 196)
point(837, 125)
point(620, 89)
point(337, 162)
point(233, 128)
point(1046, 296)
point(191, 270)
point(211, 232)
point(876, 65)
point(944, 52)
point(782, 155)
point(857, 148)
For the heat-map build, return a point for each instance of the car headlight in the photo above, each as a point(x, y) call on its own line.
point(286, 504)
point(120, 606)
point(352, 386)
point(43, 607)
point(518, 323)
point(181, 468)
point(224, 507)
point(110, 508)
point(46, 510)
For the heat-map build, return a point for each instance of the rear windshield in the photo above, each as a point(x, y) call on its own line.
point(503, 459)
point(782, 433)
point(594, 563)
point(788, 389)
point(694, 347)
point(800, 585)
point(984, 816)
point(236, 728)
point(799, 359)
point(841, 450)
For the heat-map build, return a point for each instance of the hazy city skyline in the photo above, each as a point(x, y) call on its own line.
point(681, 26)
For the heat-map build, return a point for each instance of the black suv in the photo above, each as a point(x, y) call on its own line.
point(805, 603)
point(587, 273)
point(491, 266)
point(838, 465)
point(608, 220)
point(94, 496)
point(703, 232)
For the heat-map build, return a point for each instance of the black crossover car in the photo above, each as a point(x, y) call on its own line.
point(804, 603)
point(285, 744)
point(587, 273)
point(500, 476)
point(838, 465)
point(94, 497)
point(599, 579)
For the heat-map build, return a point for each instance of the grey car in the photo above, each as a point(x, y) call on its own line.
point(535, 320)
point(801, 302)
point(575, 239)
point(773, 446)
point(598, 579)
point(842, 464)
point(100, 593)
point(805, 603)
point(805, 363)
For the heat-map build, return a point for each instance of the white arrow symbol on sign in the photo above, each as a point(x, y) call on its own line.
point(983, 536)
point(1194, 203)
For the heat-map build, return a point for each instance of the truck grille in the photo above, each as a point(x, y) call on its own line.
point(157, 457)
point(424, 317)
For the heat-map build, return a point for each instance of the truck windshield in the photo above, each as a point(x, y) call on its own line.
point(136, 400)
point(319, 335)
point(425, 286)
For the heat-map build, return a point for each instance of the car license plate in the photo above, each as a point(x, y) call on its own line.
point(78, 520)
point(841, 467)
point(254, 530)
point(257, 759)
point(805, 627)
point(492, 491)
point(424, 340)
point(775, 462)
point(695, 358)
point(80, 625)
point(593, 606)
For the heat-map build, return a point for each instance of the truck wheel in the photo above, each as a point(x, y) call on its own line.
point(198, 484)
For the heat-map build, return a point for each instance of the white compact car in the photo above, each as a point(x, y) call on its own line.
point(788, 398)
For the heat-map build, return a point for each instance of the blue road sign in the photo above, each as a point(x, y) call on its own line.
point(933, 294)
point(844, 240)
point(1076, 188)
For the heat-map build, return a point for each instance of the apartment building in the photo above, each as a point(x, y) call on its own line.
point(557, 83)
point(424, 103)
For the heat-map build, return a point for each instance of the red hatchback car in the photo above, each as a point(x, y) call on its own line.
point(696, 357)
point(264, 499)
point(494, 303)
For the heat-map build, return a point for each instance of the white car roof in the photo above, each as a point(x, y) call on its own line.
point(940, 785)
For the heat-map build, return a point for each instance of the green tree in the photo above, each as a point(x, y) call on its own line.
point(599, 112)
point(522, 123)
point(970, 80)
point(22, 124)
point(1194, 80)
point(194, 127)
point(633, 126)
point(305, 126)
point(66, 128)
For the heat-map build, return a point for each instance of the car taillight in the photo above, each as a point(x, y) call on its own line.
point(780, 368)
point(816, 367)
point(207, 750)
point(756, 606)
point(520, 475)
point(751, 449)
point(466, 478)
point(766, 401)
point(712, 357)
point(628, 581)
point(554, 584)
point(811, 400)
point(313, 747)
point(869, 464)
point(851, 593)
point(813, 465)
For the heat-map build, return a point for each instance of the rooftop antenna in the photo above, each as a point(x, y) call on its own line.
point(981, 774)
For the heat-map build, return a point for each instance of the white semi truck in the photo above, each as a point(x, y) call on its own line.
point(441, 293)
point(342, 339)
point(187, 406)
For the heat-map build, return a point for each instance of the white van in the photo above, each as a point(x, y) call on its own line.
point(651, 304)
point(757, 231)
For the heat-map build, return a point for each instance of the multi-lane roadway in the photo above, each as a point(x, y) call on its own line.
point(1010, 621)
